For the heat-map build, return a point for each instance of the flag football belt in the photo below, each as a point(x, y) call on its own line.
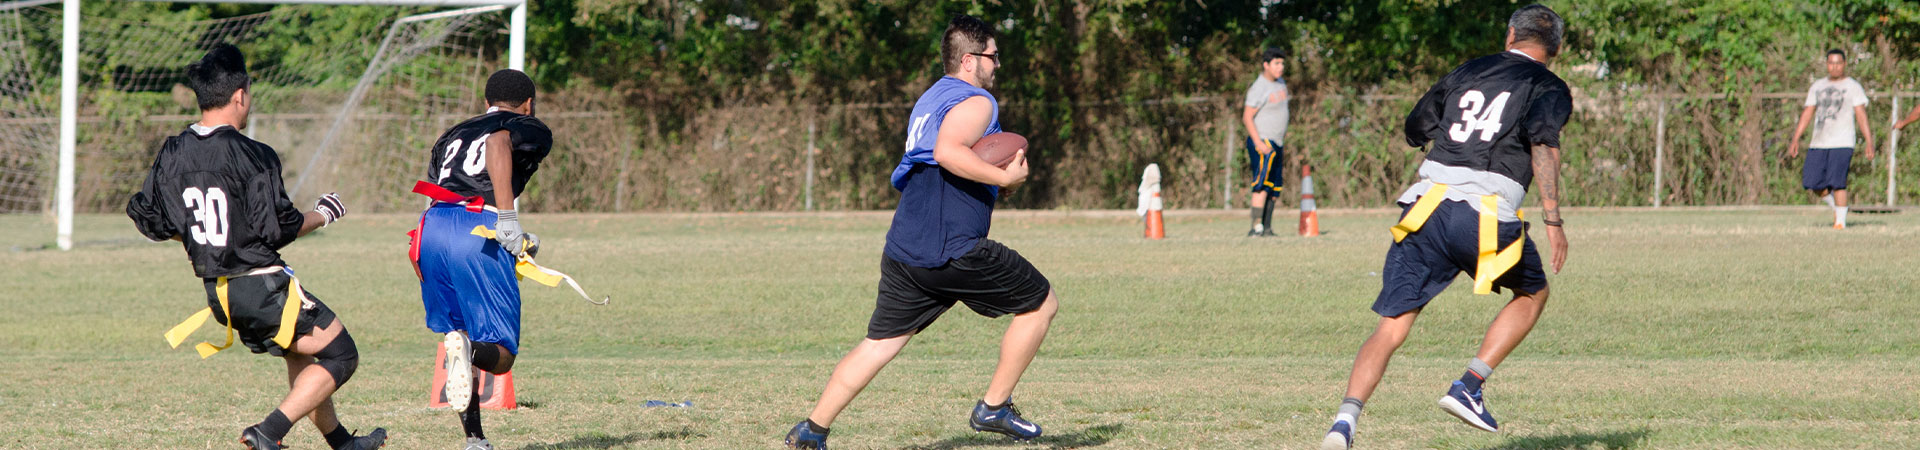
point(527, 269)
point(288, 314)
point(440, 194)
point(1493, 261)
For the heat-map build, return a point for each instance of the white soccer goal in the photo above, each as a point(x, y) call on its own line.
point(120, 89)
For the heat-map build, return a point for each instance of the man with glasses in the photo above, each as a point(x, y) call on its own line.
point(937, 250)
point(1265, 116)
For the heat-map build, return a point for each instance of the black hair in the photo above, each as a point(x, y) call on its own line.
point(1538, 24)
point(216, 76)
point(509, 87)
point(965, 34)
point(1835, 51)
point(1272, 53)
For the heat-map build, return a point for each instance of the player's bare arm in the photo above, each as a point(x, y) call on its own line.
point(1860, 119)
point(1246, 120)
point(953, 149)
point(1799, 131)
point(500, 167)
point(1546, 177)
point(1912, 116)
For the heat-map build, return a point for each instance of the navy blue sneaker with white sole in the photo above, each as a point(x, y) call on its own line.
point(1469, 407)
point(803, 436)
point(1005, 420)
point(1338, 438)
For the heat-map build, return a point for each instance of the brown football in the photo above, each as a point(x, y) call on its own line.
point(998, 148)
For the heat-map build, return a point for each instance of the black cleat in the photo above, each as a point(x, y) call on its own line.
point(371, 441)
point(254, 439)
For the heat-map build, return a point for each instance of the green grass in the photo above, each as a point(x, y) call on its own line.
point(1715, 328)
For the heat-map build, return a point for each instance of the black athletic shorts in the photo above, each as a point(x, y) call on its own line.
point(992, 279)
point(256, 301)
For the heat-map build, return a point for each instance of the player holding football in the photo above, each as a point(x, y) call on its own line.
point(1495, 125)
point(220, 194)
point(937, 250)
point(467, 283)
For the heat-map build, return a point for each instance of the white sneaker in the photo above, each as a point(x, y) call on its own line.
point(459, 387)
point(478, 444)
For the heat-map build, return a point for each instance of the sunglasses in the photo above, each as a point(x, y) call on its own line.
point(993, 56)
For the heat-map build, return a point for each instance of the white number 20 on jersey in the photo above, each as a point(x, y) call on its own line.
point(1477, 114)
point(210, 214)
point(476, 158)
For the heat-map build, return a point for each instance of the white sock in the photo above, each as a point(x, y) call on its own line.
point(1829, 199)
point(1840, 215)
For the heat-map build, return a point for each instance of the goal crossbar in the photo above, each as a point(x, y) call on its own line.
point(70, 72)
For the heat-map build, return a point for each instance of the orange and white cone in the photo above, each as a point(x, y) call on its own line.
point(1156, 226)
point(1309, 218)
point(1150, 202)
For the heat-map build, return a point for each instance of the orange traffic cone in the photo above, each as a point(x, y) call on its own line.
point(1309, 218)
point(1156, 227)
point(496, 391)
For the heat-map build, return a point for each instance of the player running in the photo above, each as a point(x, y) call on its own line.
point(937, 250)
point(1495, 126)
point(467, 281)
point(220, 194)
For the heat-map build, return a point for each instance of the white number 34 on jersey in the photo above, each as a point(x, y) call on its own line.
point(1477, 114)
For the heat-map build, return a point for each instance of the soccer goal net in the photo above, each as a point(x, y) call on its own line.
point(360, 75)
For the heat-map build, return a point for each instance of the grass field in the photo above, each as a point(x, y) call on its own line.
point(1701, 328)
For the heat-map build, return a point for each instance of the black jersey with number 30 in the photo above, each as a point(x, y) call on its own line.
point(1487, 114)
point(459, 158)
point(222, 195)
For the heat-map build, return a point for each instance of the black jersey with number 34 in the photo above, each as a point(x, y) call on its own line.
point(1487, 114)
point(222, 195)
point(459, 160)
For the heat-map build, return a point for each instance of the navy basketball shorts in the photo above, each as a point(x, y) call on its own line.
point(255, 303)
point(1267, 173)
point(1826, 168)
point(992, 279)
point(467, 282)
point(1419, 267)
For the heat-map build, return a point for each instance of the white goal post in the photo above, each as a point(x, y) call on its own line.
point(70, 74)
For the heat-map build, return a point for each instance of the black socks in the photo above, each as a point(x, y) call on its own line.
point(339, 436)
point(470, 419)
point(275, 426)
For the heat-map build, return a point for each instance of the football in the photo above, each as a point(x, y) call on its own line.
point(998, 148)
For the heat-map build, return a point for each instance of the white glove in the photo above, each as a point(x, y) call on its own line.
point(507, 231)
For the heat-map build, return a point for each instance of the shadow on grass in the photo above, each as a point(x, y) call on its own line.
point(605, 442)
point(1090, 437)
point(1612, 440)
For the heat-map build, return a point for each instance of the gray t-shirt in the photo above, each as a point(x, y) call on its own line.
point(1270, 96)
point(1833, 103)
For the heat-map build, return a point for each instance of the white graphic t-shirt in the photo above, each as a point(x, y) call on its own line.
point(1833, 113)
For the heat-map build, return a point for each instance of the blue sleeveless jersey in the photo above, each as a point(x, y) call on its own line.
point(941, 215)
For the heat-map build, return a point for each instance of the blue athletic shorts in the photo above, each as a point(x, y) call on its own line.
point(1419, 267)
point(466, 281)
point(1267, 173)
point(1826, 168)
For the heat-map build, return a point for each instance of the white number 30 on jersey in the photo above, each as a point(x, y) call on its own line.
point(210, 214)
point(1477, 114)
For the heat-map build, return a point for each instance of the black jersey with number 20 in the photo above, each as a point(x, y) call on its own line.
point(459, 158)
point(1487, 114)
point(222, 195)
